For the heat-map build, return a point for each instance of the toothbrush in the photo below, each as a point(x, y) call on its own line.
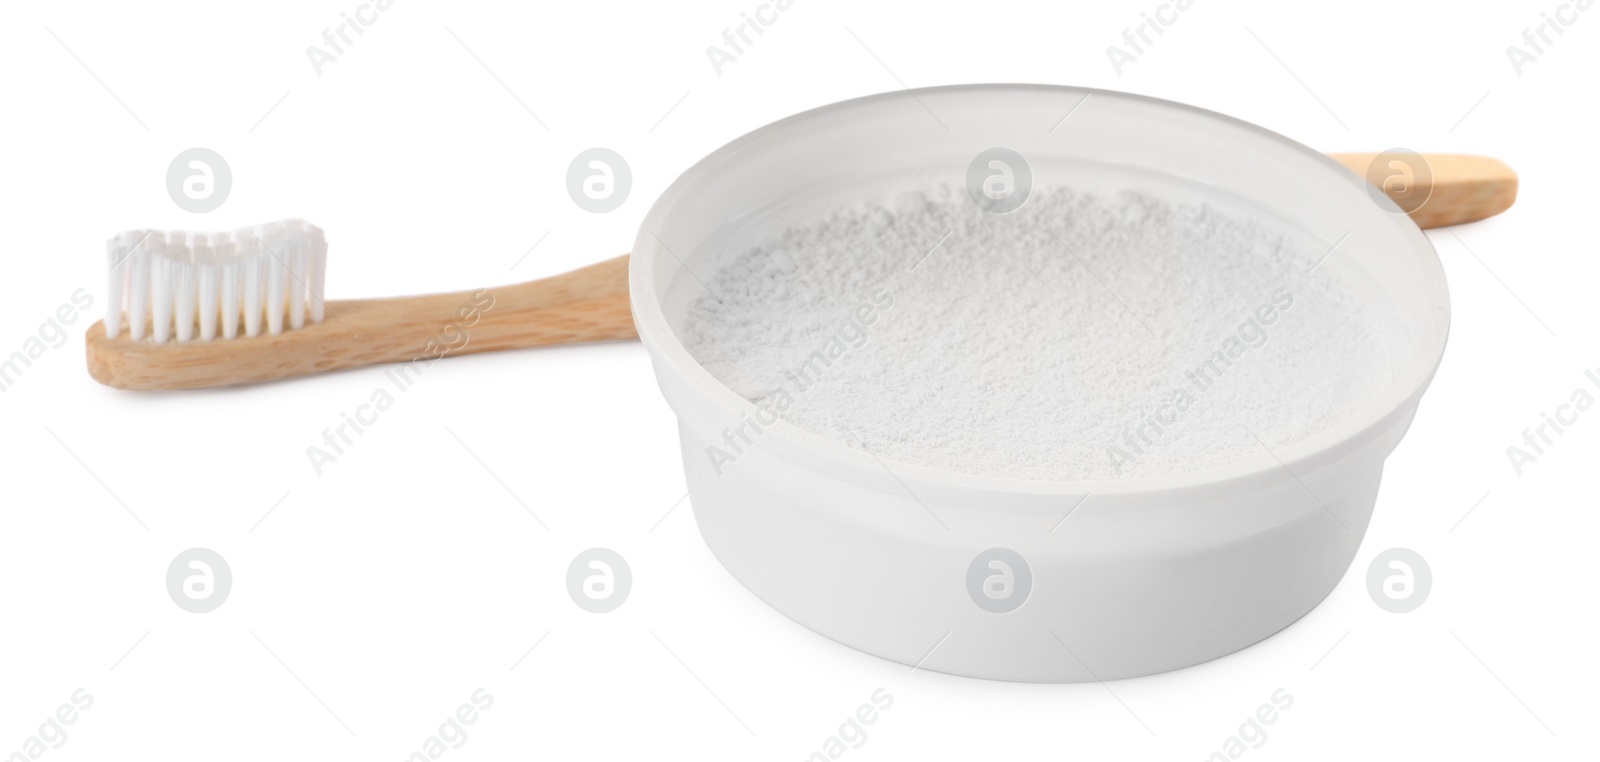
point(195, 303)
point(185, 310)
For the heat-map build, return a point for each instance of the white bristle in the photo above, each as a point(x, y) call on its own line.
point(210, 276)
point(161, 295)
point(117, 281)
point(319, 272)
point(254, 265)
point(230, 299)
point(206, 276)
point(226, 282)
point(177, 285)
point(186, 290)
point(139, 287)
point(277, 279)
point(298, 253)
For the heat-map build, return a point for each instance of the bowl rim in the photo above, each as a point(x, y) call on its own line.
point(1394, 405)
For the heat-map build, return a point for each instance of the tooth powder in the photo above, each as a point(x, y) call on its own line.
point(1081, 337)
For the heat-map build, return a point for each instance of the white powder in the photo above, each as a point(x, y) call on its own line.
point(1067, 340)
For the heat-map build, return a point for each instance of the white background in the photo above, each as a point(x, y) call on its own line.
point(370, 601)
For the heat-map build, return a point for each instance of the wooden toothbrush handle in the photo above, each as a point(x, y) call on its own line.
point(585, 305)
point(591, 304)
point(1462, 188)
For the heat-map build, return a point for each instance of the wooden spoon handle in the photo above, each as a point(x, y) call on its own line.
point(1442, 189)
point(585, 305)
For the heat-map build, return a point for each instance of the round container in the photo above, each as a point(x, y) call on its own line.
point(1014, 579)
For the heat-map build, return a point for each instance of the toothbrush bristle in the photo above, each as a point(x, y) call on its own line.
point(185, 286)
point(117, 250)
point(319, 272)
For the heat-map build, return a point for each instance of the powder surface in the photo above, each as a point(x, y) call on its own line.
point(1083, 336)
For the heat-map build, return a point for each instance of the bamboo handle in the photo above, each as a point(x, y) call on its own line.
point(585, 305)
point(1442, 189)
point(591, 304)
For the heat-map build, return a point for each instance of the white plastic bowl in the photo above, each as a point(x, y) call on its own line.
point(1144, 575)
